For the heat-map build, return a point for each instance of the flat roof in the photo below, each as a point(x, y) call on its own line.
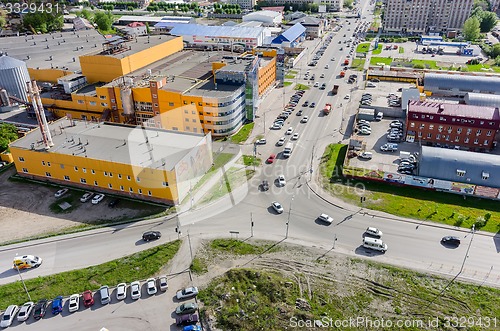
point(63, 47)
point(142, 147)
point(454, 109)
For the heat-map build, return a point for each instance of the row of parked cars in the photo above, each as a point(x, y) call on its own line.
point(96, 198)
point(294, 100)
point(39, 309)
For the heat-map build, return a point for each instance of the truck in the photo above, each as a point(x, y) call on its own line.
point(335, 89)
point(327, 109)
point(367, 114)
point(288, 150)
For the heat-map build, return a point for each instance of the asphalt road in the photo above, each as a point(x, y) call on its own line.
point(410, 244)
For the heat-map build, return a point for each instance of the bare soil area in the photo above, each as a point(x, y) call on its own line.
point(25, 210)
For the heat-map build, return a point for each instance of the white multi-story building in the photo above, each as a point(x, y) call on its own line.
point(334, 5)
point(424, 16)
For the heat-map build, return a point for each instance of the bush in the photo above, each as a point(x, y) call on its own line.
point(480, 222)
point(418, 66)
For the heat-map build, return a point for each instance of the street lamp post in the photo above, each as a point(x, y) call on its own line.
point(251, 224)
point(24, 284)
point(288, 220)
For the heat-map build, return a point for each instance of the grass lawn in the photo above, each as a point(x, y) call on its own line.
point(301, 87)
point(239, 247)
point(478, 67)
point(358, 64)
point(127, 269)
point(219, 160)
point(289, 76)
point(375, 60)
point(232, 178)
point(406, 201)
point(249, 160)
point(430, 64)
point(378, 50)
point(401, 50)
point(287, 83)
point(242, 135)
point(363, 48)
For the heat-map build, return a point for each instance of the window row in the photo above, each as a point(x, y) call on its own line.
point(449, 129)
point(92, 103)
point(456, 139)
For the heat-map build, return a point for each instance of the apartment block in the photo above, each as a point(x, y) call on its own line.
point(425, 16)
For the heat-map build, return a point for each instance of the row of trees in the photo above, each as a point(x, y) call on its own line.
point(182, 7)
point(480, 21)
point(303, 7)
point(43, 22)
point(8, 133)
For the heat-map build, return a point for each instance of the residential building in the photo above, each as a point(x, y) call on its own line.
point(446, 84)
point(447, 125)
point(424, 16)
point(333, 5)
point(136, 162)
point(244, 4)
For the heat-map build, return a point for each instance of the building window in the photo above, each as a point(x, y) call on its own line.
point(478, 132)
point(174, 128)
point(156, 105)
point(21, 159)
point(171, 104)
point(149, 193)
point(466, 140)
point(104, 104)
point(187, 119)
point(95, 182)
point(193, 112)
point(485, 175)
point(43, 163)
point(92, 103)
point(193, 120)
point(92, 171)
point(83, 181)
point(476, 141)
point(486, 142)
point(131, 190)
point(431, 126)
point(84, 170)
point(457, 139)
point(110, 174)
point(110, 186)
point(469, 131)
point(165, 184)
point(185, 110)
point(66, 177)
point(459, 130)
point(121, 187)
point(103, 97)
point(460, 173)
point(76, 168)
point(155, 96)
point(488, 133)
point(25, 170)
point(120, 176)
point(62, 166)
point(47, 174)
point(140, 191)
point(81, 102)
point(138, 180)
point(106, 173)
point(128, 177)
point(438, 136)
point(429, 135)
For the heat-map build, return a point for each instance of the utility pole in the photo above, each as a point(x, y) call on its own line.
point(288, 220)
point(24, 284)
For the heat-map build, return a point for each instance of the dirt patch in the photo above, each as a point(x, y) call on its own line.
point(25, 210)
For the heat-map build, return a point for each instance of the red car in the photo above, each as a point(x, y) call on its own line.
point(271, 158)
point(88, 298)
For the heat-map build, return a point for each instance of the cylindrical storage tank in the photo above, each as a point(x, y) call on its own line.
point(14, 76)
point(4, 98)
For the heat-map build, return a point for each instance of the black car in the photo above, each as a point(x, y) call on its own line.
point(451, 241)
point(151, 235)
point(299, 113)
point(113, 203)
point(305, 104)
point(40, 309)
point(265, 185)
point(312, 105)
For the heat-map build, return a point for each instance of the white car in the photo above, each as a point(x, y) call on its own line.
point(281, 180)
point(25, 311)
point(325, 218)
point(187, 292)
point(135, 290)
point(304, 119)
point(322, 76)
point(151, 283)
point(289, 131)
point(163, 283)
point(121, 291)
point(261, 142)
point(277, 207)
point(97, 198)
point(347, 97)
point(374, 232)
point(74, 303)
point(295, 136)
point(8, 316)
point(61, 192)
point(281, 141)
point(316, 84)
point(86, 197)
point(365, 131)
point(366, 155)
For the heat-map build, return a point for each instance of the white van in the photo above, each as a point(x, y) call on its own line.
point(375, 244)
point(379, 116)
point(105, 298)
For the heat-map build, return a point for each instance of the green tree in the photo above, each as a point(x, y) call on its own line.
point(43, 22)
point(488, 21)
point(348, 3)
point(85, 14)
point(103, 20)
point(497, 61)
point(8, 133)
point(471, 29)
point(2, 22)
point(495, 51)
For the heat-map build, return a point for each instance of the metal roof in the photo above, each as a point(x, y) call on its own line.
point(306, 20)
point(217, 31)
point(467, 83)
point(454, 109)
point(481, 99)
point(142, 147)
point(7, 62)
point(294, 32)
point(443, 163)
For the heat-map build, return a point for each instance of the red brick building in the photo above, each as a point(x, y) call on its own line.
point(446, 124)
